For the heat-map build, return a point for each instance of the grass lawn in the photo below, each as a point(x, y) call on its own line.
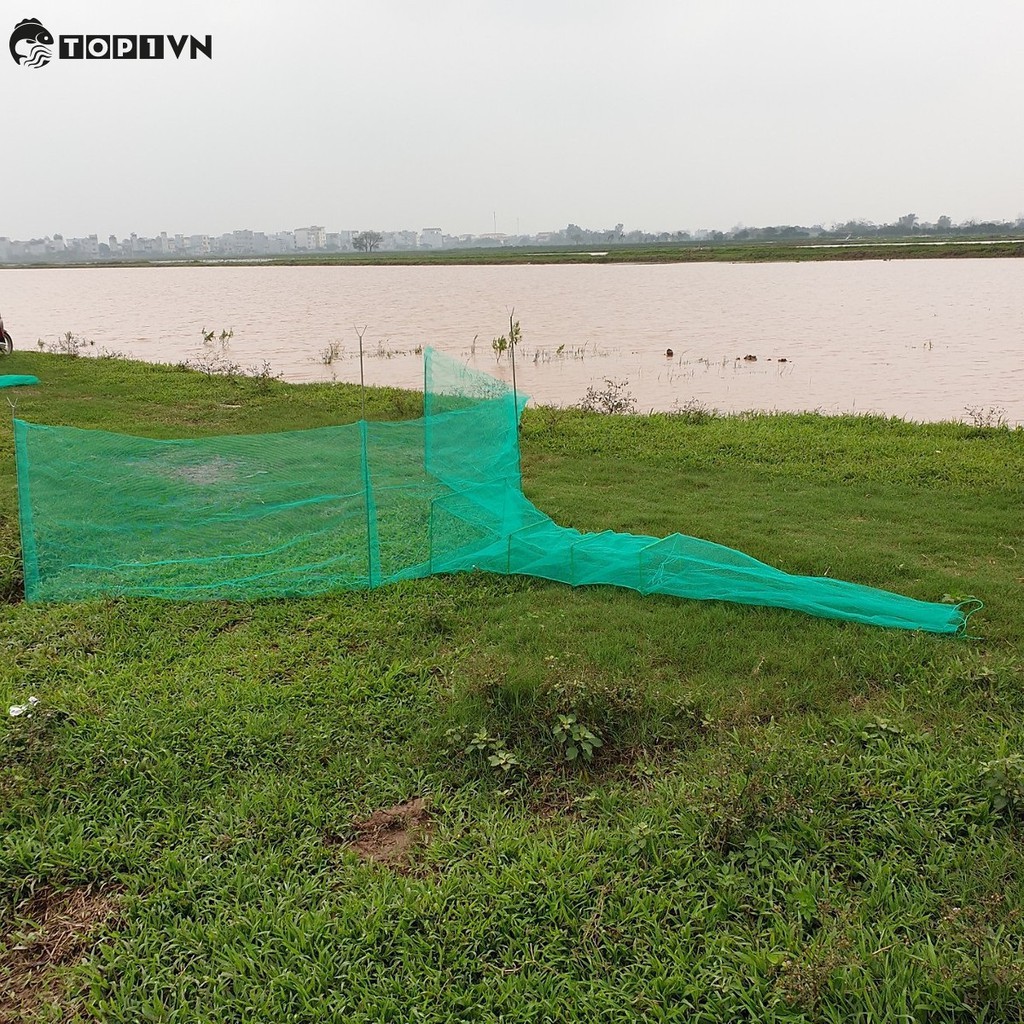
point(362, 807)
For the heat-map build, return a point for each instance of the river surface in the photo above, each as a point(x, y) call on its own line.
point(919, 339)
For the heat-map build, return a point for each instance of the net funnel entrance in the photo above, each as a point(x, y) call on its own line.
point(356, 507)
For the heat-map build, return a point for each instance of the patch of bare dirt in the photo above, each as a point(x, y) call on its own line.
point(52, 930)
point(389, 836)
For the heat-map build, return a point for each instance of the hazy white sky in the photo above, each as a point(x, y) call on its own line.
point(661, 114)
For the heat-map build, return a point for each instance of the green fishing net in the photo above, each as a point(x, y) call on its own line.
point(360, 506)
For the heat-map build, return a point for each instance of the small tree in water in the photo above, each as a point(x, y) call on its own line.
point(507, 342)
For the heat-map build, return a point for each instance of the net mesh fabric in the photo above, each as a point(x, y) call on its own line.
point(360, 506)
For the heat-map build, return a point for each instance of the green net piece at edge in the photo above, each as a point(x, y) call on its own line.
point(14, 380)
point(360, 506)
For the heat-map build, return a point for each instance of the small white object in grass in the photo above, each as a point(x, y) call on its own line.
point(15, 710)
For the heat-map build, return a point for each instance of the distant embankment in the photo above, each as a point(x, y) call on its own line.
point(716, 252)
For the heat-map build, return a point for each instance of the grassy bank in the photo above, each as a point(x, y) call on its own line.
point(788, 818)
point(695, 252)
point(692, 252)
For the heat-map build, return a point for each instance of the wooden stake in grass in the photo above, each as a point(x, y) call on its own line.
point(362, 382)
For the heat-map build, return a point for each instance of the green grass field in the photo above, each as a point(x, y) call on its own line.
point(788, 818)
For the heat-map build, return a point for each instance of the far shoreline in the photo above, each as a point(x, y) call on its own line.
point(719, 252)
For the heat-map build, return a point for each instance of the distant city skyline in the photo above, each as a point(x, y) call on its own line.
point(317, 239)
point(517, 118)
point(825, 223)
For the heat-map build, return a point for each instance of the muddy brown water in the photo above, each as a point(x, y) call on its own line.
point(920, 339)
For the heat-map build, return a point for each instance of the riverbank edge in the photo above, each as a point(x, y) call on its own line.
point(263, 381)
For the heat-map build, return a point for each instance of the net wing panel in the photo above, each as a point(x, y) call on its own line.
point(239, 517)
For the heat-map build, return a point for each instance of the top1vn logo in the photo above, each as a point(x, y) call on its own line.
point(142, 47)
point(31, 44)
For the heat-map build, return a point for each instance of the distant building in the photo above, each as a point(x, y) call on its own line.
point(241, 242)
point(282, 241)
point(431, 238)
point(310, 239)
point(398, 240)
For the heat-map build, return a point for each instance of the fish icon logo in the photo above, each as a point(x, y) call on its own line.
point(30, 44)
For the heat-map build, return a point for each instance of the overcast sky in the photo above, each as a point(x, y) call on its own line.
point(386, 114)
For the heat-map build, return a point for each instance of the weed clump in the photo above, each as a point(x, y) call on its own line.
point(614, 398)
point(216, 361)
point(1003, 781)
point(68, 344)
point(566, 725)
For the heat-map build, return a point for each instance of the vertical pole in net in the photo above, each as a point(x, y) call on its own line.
point(512, 339)
point(372, 538)
point(362, 382)
point(371, 575)
point(427, 410)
